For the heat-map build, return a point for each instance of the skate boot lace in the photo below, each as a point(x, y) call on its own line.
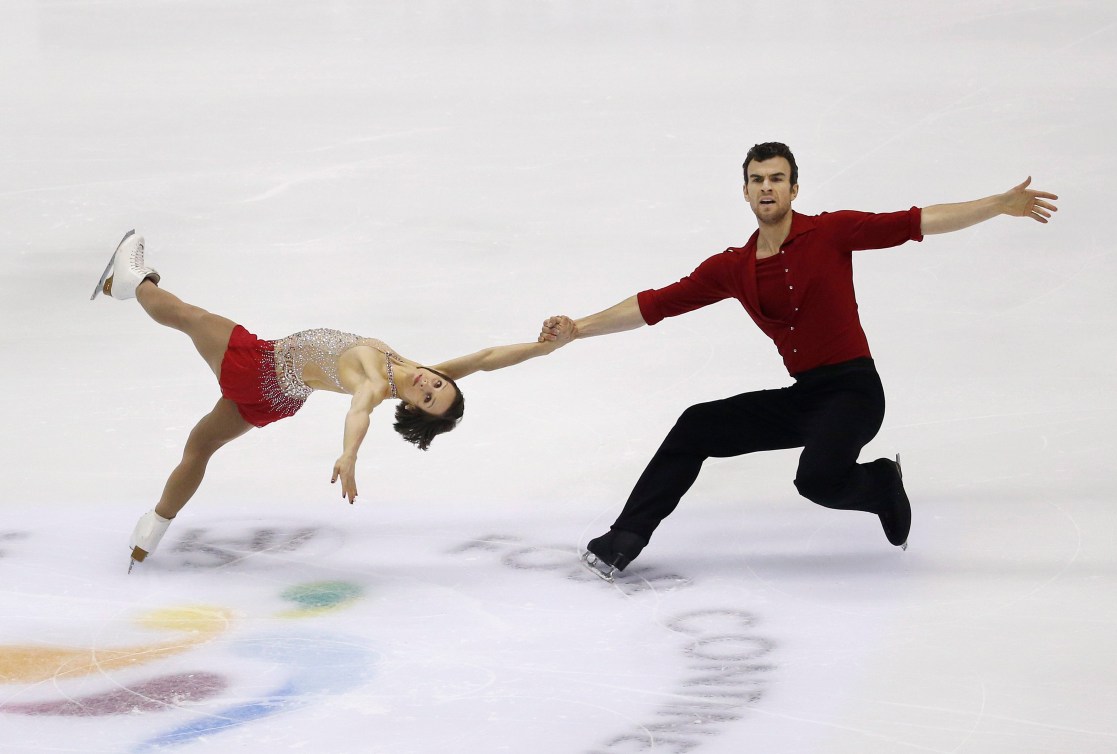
point(137, 256)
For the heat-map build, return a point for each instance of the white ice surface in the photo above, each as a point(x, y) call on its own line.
point(444, 175)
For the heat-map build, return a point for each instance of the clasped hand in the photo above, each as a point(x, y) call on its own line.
point(560, 329)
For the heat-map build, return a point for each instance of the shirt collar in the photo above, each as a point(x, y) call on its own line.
point(800, 224)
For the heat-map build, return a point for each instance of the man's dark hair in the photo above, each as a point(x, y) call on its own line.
point(420, 427)
point(767, 151)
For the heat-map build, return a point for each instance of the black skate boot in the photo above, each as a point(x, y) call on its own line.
point(612, 552)
point(896, 519)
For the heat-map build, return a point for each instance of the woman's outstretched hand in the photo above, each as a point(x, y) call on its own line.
point(560, 329)
point(344, 470)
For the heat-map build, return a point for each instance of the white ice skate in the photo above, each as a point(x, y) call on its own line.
point(125, 270)
point(145, 537)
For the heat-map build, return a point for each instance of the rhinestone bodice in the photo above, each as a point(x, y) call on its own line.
point(322, 348)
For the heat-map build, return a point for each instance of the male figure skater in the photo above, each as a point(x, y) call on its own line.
point(794, 277)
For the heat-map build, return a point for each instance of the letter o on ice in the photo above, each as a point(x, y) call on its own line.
point(715, 622)
point(733, 648)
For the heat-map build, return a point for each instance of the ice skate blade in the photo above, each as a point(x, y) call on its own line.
point(138, 556)
point(598, 567)
point(108, 268)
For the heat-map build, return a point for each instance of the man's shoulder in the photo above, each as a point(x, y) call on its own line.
point(830, 220)
point(822, 218)
point(722, 265)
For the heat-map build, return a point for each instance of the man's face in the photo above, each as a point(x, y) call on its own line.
point(768, 189)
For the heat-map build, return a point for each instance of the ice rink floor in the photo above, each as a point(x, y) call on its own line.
point(443, 176)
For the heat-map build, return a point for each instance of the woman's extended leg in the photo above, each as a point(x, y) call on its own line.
point(209, 332)
point(218, 427)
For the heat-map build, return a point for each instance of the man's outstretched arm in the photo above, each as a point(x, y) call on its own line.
point(619, 318)
point(1019, 201)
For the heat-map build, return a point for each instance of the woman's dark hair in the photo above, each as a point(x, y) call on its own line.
point(419, 427)
point(767, 151)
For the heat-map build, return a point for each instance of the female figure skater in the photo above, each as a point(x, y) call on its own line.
point(263, 381)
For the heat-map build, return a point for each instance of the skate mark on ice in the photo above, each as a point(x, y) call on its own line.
point(34, 663)
point(155, 695)
point(11, 536)
point(728, 660)
point(317, 665)
point(38, 664)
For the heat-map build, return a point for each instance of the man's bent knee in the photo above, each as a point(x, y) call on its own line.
point(695, 421)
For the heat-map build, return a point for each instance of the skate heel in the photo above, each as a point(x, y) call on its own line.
point(146, 536)
point(612, 552)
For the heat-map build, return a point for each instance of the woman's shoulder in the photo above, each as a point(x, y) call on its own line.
point(374, 343)
point(359, 366)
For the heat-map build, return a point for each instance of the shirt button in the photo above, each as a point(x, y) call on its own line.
point(793, 327)
point(786, 270)
point(791, 287)
point(795, 350)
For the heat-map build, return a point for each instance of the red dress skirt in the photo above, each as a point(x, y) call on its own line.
point(249, 380)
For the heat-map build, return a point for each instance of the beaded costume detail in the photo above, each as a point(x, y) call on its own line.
point(321, 347)
point(282, 401)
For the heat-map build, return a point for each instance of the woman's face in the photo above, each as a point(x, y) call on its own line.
point(427, 391)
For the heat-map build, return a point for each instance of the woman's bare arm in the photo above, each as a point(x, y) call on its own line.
point(499, 357)
point(365, 398)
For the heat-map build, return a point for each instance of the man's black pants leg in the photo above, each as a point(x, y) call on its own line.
point(831, 412)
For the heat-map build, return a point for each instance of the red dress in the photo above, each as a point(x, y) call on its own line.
point(248, 378)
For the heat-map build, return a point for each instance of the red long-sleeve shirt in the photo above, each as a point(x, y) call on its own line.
point(805, 300)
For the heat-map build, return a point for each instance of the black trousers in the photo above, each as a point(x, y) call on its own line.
point(831, 412)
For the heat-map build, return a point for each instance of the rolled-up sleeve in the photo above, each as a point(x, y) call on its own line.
point(858, 231)
point(705, 286)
